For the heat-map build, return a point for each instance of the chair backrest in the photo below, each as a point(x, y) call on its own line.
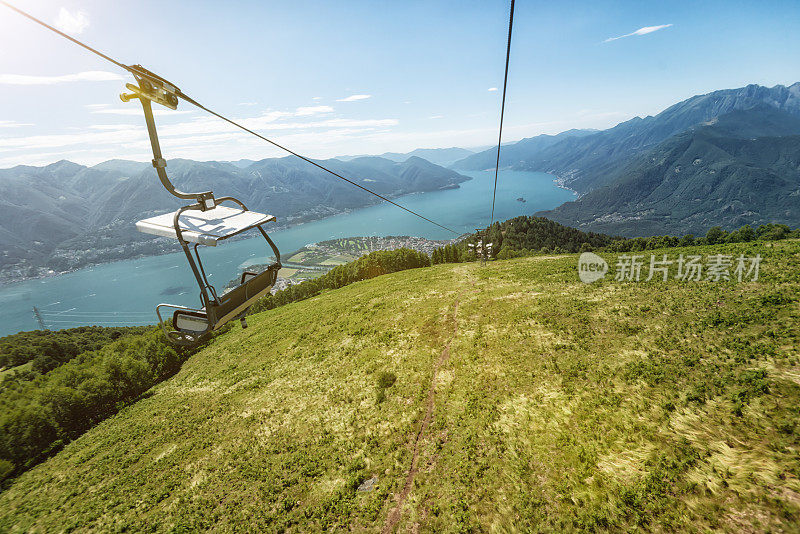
point(247, 276)
point(234, 302)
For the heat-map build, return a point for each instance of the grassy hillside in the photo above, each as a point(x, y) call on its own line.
point(510, 396)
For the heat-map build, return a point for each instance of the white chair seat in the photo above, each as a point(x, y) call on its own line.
point(205, 227)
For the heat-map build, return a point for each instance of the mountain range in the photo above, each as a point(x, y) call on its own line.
point(740, 168)
point(65, 215)
point(439, 156)
point(725, 158)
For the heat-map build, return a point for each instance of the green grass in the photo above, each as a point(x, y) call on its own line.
point(616, 406)
point(19, 368)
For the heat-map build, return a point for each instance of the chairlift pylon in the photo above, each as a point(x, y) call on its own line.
point(204, 222)
point(482, 249)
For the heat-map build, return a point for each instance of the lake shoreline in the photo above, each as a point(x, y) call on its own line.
point(10, 280)
point(123, 292)
point(559, 182)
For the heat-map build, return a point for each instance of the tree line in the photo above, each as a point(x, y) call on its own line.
point(527, 235)
point(47, 350)
point(39, 416)
point(449, 254)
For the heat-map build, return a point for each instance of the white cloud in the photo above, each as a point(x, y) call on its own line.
point(640, 31)
point(203, 137)
point(318, 136)
point(493, 89)
point(37, 142)
point(316, 98)
point(316, 144)
point(71, 22)
point(268, 122)
point(353, 98)
point(312, 110)
point(355, 123)
point(436, 117)
point(112, 127)
point(102, 109)
point(87, 76)
point(12, 124)
point(119, 132)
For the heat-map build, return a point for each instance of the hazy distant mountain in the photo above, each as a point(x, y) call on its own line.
point(439, 156)
point(65, 214)
point(740, 168)
point(590, 160)
point(242, 163)
point(123, 166)
point(515, 153)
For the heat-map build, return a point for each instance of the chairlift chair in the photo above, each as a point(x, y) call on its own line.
point(205, 222)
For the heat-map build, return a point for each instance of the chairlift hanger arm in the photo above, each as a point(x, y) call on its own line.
point(156, 89)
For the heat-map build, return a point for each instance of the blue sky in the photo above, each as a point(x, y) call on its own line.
point(423, 69)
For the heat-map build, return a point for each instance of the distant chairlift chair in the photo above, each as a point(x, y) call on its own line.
point(205, 222)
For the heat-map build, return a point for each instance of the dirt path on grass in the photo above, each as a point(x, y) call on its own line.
point(394, 516)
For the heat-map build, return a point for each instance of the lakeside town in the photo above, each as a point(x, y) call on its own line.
point(316, 259)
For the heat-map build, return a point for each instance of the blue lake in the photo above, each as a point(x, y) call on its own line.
point(125, 292)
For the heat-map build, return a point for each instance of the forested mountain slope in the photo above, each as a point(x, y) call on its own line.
point(740, 168)
point(586, 161)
